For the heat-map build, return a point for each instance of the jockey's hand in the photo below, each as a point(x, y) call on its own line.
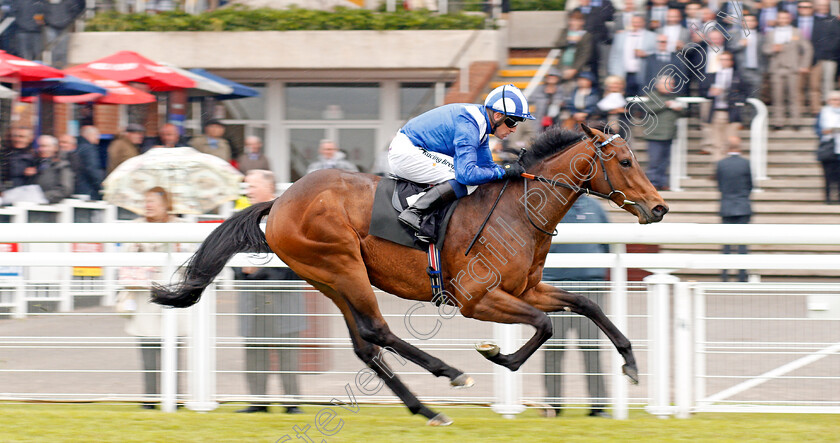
point(513, 170)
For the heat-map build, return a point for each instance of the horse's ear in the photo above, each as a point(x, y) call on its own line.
point(587, 130)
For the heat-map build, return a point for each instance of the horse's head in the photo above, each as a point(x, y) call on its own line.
point(617, 174)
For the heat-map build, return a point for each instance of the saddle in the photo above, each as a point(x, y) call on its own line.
point(391, 197)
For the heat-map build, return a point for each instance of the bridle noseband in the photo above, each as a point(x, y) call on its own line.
point(579, 189)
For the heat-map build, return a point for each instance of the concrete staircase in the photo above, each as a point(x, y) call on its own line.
point(792, 195)
point(521, 66)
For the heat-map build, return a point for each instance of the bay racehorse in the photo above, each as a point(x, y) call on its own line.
point(319, 228)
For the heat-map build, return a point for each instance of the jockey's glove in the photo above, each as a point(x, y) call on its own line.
point(512, 170)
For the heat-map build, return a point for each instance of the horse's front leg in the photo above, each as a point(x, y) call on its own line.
point(500, 307)
point(547, 298)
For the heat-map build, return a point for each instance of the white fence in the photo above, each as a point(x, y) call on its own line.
point(729, 355)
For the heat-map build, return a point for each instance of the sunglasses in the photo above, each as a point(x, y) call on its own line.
point(511, 122)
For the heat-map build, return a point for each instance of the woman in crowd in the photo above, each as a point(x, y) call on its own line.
point(134, 299)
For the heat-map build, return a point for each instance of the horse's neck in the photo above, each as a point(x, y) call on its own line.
point(558, 199)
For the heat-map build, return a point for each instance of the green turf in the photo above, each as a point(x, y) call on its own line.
point(127, 423)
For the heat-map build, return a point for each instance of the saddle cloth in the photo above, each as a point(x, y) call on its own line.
point(390, 199)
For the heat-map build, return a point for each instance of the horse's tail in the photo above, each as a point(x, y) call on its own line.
point(239, 233)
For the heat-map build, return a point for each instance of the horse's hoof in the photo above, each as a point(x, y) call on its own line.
point(632, 373)
point(462, 381)
point(487, 349)
point(439, 420)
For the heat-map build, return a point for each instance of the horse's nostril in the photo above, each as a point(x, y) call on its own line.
point(660, 210)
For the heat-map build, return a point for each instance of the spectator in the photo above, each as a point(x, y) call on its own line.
point(547, 101)
point(628, 52)
point(588, 282)
point(577, 46)
point(789, 6)
point(810, 80)
point(622, 20)
point(29, 18)
point(828, 129)
point(749, 57)
point(727, 92)
point(21, 159)
point(168, 137)
point(329, 157)
point(89, 175)
point(54, 176)
point(661, 58)
point(213, 142)
point(253, 157)
point(125, 146)
point(662, 103)
point(657, 14)
point(825, 39)
point(613, 106)
point(135, 295)
point(676, 33)
point(768, 15)
point(693, 20)
point(596, 14)
point(734, 181)
point(67, 145)
point(59, 16)
point(789, 56)
point(270, 318)
point(583, 102)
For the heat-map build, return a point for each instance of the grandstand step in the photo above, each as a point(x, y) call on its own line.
point(529, 73)
point(518, 84)
point(526, 61)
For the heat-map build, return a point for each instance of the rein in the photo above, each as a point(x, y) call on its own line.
point(542, 179)
point(577, 189)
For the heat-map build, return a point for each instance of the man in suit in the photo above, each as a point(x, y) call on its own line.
point(727, 92)
point(789, 55)
point(825, 40)
point(657, 14)
point(734, 180)
point(749, 58)
point(628, 52)
point(89, 174)
point(768, 14)
point(622, 19)
point(270, 318)
point(596, 14)
point(589, 282)
point(660, 59)
point(673, 29)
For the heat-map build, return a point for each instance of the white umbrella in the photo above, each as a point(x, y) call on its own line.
point(6, 92)
point(202, 83)
point(196, 182)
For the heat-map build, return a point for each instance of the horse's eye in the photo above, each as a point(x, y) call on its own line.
point(625, 162)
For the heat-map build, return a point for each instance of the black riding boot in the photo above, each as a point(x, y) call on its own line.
point(434, 197)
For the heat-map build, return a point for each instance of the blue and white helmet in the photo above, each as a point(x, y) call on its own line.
point(508, 100)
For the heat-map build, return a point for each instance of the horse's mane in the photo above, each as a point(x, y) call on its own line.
point(550, 142)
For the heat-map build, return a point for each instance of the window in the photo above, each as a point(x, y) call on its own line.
point(415, 99)
point(332, 101)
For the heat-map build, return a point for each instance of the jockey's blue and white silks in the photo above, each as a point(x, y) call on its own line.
point(456, 134)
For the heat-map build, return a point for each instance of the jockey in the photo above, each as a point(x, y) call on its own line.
point(448, 147)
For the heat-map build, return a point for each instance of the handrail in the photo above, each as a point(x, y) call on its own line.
point(758, 143)
point(541, 71)
point(601, 233)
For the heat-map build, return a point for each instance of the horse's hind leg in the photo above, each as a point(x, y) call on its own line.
point(500, 307)
point(373, 328)
point(373, 357)
point(547, 298)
